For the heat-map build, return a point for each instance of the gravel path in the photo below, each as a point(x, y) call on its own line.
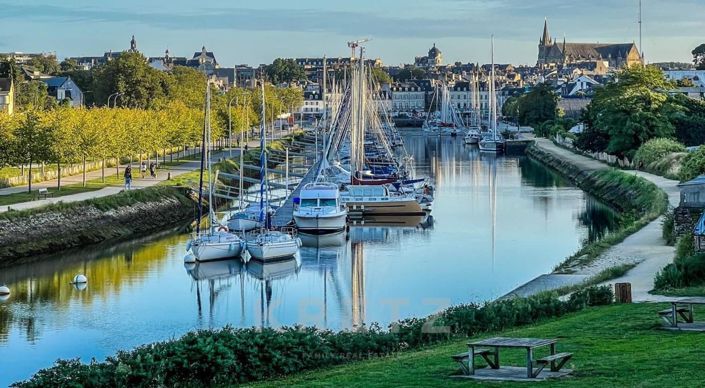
point(645, 248)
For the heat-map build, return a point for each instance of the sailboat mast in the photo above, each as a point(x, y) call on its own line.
point(203, 161)
point(242, 156)
point(263, 204)
point(493, 97)
point(211, 213)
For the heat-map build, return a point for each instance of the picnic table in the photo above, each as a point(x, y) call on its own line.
point(480, 348)
point(680, 308)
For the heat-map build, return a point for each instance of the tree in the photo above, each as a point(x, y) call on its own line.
point(139, 85)
point(187, 85)
point(68, 65)
point(537, 106)
point(10, 69)
point(628, 111)
point(33, 95)
point(32, 141)
point(380, 76)
point(409, 73)
point(699, 57)
point(284, 71)
point(45, 64)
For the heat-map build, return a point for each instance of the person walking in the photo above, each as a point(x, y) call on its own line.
point(152, 170)
point(128, 177)
point(143, 169)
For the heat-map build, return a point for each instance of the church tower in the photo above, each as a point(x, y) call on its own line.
point(545, 44)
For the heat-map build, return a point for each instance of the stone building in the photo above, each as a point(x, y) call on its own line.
point(433, 59)
point(553, 53)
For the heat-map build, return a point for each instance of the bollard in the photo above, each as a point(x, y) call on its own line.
point(623, 292)
point(168, 176)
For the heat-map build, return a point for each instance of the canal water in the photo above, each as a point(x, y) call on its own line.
point(497, 222)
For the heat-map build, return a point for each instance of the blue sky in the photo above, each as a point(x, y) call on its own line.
point(256, 32)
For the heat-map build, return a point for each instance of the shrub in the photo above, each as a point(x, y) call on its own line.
point(693, 165)
point(668, 226)
point(656, 149)
point(231, 356)
point(685, 246)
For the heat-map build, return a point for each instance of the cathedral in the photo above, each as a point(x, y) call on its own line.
point(608, 55)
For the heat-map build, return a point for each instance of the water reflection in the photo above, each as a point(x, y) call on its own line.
point(496, 222)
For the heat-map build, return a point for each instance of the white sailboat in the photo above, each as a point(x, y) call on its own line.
point(492, 142)
point(474, 132)
point(216, 243)
point(269, 245)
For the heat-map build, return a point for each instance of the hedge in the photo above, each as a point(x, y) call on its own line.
point(231, 356)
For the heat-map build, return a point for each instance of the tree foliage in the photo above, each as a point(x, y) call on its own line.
point(380, 76)
point(699, 57)
point(138, 84)
point(628, 112)
point(535, 108)
point(284, 71)
point(410, 73)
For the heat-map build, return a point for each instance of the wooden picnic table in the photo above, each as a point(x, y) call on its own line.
point(678, 309)
point(517, 343)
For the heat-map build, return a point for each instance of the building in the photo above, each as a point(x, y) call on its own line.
point(26, 58)
point(7, 96)
point(697, 77)
point(433, 59)
point(578, 87)
point(64, 89)
point(407, 97)
point(554, 54)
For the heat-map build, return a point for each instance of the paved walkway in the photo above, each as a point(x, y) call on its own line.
point(645, 248)
point(137, 182)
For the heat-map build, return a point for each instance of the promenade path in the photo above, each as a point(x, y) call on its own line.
point(645, 248)
point(137, 181)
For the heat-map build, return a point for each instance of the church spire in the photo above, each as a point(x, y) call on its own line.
point(133, 45)
point(546, 38)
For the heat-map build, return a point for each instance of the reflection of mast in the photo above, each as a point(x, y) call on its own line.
point(358, 284)
point(493, 203)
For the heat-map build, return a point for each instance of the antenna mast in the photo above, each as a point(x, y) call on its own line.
point(641, 47)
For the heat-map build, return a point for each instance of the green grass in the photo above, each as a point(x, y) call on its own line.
point(687, 291)
point(619, 345)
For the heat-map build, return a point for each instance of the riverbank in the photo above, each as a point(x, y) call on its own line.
point(28, 233)
point(640, 196)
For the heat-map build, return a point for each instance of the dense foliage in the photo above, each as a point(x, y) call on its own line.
point(656, 149)
point(687, 269)
point(285, 71)
point(231, 356)
point(693, 164)
point(699, 57)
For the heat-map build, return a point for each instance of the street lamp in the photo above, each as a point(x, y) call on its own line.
point(230, 126)
point(115, 100)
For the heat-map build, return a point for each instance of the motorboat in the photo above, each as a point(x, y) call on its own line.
point(319, 209)
point(473, 136)
point(379, 200)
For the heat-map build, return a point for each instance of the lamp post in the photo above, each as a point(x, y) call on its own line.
point(116, 95)
point(230, 126)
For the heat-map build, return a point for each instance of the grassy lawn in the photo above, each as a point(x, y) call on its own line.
point(688, 291)
point(618, 345)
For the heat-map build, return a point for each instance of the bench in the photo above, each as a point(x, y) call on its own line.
point(464, 358)
point(667, 315)
point(542, 362)
point(43, 192)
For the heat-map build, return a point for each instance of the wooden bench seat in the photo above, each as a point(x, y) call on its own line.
point(551, 359)
point(464, 358)
point(43, 192)
point(667, 315)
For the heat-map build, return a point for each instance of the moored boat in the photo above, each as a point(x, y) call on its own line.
point(319, 209)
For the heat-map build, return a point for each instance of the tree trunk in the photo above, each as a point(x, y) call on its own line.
point(84, 170)
point(58, 176)
point(117, 167)
point(22, 169)
point(30, 175)
point(102, 172)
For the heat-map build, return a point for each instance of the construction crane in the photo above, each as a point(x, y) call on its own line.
point(355, 44)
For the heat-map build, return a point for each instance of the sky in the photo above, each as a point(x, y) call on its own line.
point(256, 32)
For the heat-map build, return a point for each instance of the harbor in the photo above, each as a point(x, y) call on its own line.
point(497, 222)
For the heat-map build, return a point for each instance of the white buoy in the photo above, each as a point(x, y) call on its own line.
point(80, 286)
point(80, 279)
point(4, 290)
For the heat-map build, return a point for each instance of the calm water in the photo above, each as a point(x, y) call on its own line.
point(497, 222)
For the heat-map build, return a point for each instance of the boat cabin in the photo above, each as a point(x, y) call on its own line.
point(317, 195)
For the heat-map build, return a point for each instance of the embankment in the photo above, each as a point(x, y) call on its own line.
point(638, 200)
point(50, 229)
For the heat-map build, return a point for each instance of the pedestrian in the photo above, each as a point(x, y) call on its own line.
point(128, 177)
point(143, 169)
point(152, 170)
point(246, 147)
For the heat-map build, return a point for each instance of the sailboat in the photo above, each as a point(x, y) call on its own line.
point(268, 245)
point(474, 133)
point(216, 242)
point(492, 142)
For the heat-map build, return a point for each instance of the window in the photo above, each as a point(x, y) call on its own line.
point(309, 203)
point(327, 202)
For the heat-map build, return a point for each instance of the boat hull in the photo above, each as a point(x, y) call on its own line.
point(238, 224)
point(273, 250)
point(212, 251)
point(392, 207)
point(321, 223)
point(491, 146)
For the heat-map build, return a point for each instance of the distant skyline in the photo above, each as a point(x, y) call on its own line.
point(258, 32)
